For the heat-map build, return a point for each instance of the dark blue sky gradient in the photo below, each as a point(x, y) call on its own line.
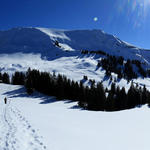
point(114, 16)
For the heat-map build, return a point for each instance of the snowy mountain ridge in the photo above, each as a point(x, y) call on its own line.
point(41, 40)
point(96, 40)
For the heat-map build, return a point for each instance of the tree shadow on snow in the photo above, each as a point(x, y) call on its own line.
point(16, 93)
point(68, 101)
point(21, 93)
point(48, 100)
point(76, 107)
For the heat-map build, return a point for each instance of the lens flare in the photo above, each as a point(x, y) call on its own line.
point(136, 11)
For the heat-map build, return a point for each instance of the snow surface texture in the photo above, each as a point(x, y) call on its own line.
point(64, 126)
point(16, 133)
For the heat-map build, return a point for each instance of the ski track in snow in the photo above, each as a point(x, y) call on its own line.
point(16, 133)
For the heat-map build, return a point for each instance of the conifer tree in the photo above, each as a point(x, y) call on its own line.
point(5, 78)
point(18, 78)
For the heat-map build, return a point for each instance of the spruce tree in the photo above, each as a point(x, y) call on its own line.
point(5, 78)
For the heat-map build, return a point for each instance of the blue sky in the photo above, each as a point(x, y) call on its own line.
point(127, 19)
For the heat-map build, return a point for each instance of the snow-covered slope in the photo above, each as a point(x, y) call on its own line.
point(38, 122)
point(16, 133)
point(97, 40)
point(41, 40)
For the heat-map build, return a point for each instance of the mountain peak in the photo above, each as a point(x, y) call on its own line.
point(41, 40)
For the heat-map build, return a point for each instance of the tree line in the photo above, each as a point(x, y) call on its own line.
point(18, 78)
point(94, 97)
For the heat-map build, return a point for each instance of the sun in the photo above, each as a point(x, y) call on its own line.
point(95, 19)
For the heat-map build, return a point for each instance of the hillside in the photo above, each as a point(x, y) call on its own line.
point(42, 40)
point(60, 51)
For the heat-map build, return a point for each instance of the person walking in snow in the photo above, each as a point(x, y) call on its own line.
point(5, 100)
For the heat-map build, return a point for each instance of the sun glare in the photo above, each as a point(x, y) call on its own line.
point(135, 10)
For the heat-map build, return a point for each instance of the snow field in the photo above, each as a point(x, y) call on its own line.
point(16, 133)
point(65, 126)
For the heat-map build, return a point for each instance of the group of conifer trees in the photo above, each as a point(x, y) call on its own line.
point(117, 64)
point(4, 77)
point(18, 78)
point(124, 69)
point(93, 97)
